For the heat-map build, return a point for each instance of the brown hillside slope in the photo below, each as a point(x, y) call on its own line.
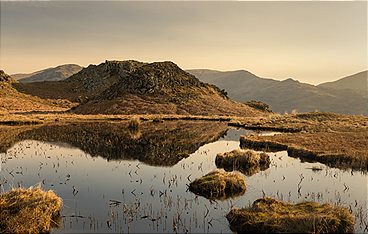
point(13, 101)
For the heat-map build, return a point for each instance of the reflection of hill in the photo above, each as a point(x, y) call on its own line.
point(9, 136)
point(163, 144)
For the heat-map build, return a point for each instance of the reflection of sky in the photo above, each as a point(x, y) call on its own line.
point(160, 192)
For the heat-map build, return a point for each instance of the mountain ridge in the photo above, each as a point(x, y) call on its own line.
point(284, 96)
point(357, 82)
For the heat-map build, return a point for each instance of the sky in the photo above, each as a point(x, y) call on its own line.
point(312, 42)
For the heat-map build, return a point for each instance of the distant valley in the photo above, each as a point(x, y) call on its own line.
point(347, 95)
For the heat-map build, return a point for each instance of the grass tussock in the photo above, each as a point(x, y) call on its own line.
point(29, 211)
point(242, 159)
point(219, 185)
point(133, 124)
point(269, 215)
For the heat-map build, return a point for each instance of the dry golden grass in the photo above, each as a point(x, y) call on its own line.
point(69, 117)
point(207, 104)
point(248, 162)
point(268, 215)
point(29, 211)
point(305, 122)
point(219, 184)
point(337, 149)
point(133, 124)
point(337, 140)
point(13, 101)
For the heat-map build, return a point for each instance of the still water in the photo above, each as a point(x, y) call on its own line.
point(112, 180)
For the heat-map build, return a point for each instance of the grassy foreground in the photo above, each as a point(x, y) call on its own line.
point(29, 211)
point(268, 215)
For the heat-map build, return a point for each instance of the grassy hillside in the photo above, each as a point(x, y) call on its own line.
point(13, 101)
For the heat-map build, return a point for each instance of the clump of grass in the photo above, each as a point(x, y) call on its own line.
point(29, 211)
point(247, 161)
point(258, 105)
point(133, 127)
point(269, 215)
point(219, 184)
point(134, 124)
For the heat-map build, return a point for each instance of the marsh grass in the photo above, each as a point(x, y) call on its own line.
point(133, 124)
point(219, 184)
point(29, 211)
point(248, 162)
point(268, 215)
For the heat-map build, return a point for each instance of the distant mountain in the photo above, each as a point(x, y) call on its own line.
point(50, 74)
point(240, 84)
point(357, 82)
point(132, 87)
point(284, 96)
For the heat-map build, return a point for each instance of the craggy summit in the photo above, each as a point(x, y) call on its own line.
point(131, 87)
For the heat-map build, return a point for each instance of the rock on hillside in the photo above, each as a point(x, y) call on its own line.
point(131, 87)
point(50, 74)
point(5, 77)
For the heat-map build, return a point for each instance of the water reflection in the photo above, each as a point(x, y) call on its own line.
point(161, 144)
point(130, 196)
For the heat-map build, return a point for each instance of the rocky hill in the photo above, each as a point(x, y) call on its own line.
point(50, 74)
point(287, 95)
point(5, 77)
point(131, 87)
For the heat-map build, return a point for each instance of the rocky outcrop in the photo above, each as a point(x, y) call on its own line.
point(5, 77)
point(131, 87)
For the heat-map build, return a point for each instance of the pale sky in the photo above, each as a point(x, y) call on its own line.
point(312, 42)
